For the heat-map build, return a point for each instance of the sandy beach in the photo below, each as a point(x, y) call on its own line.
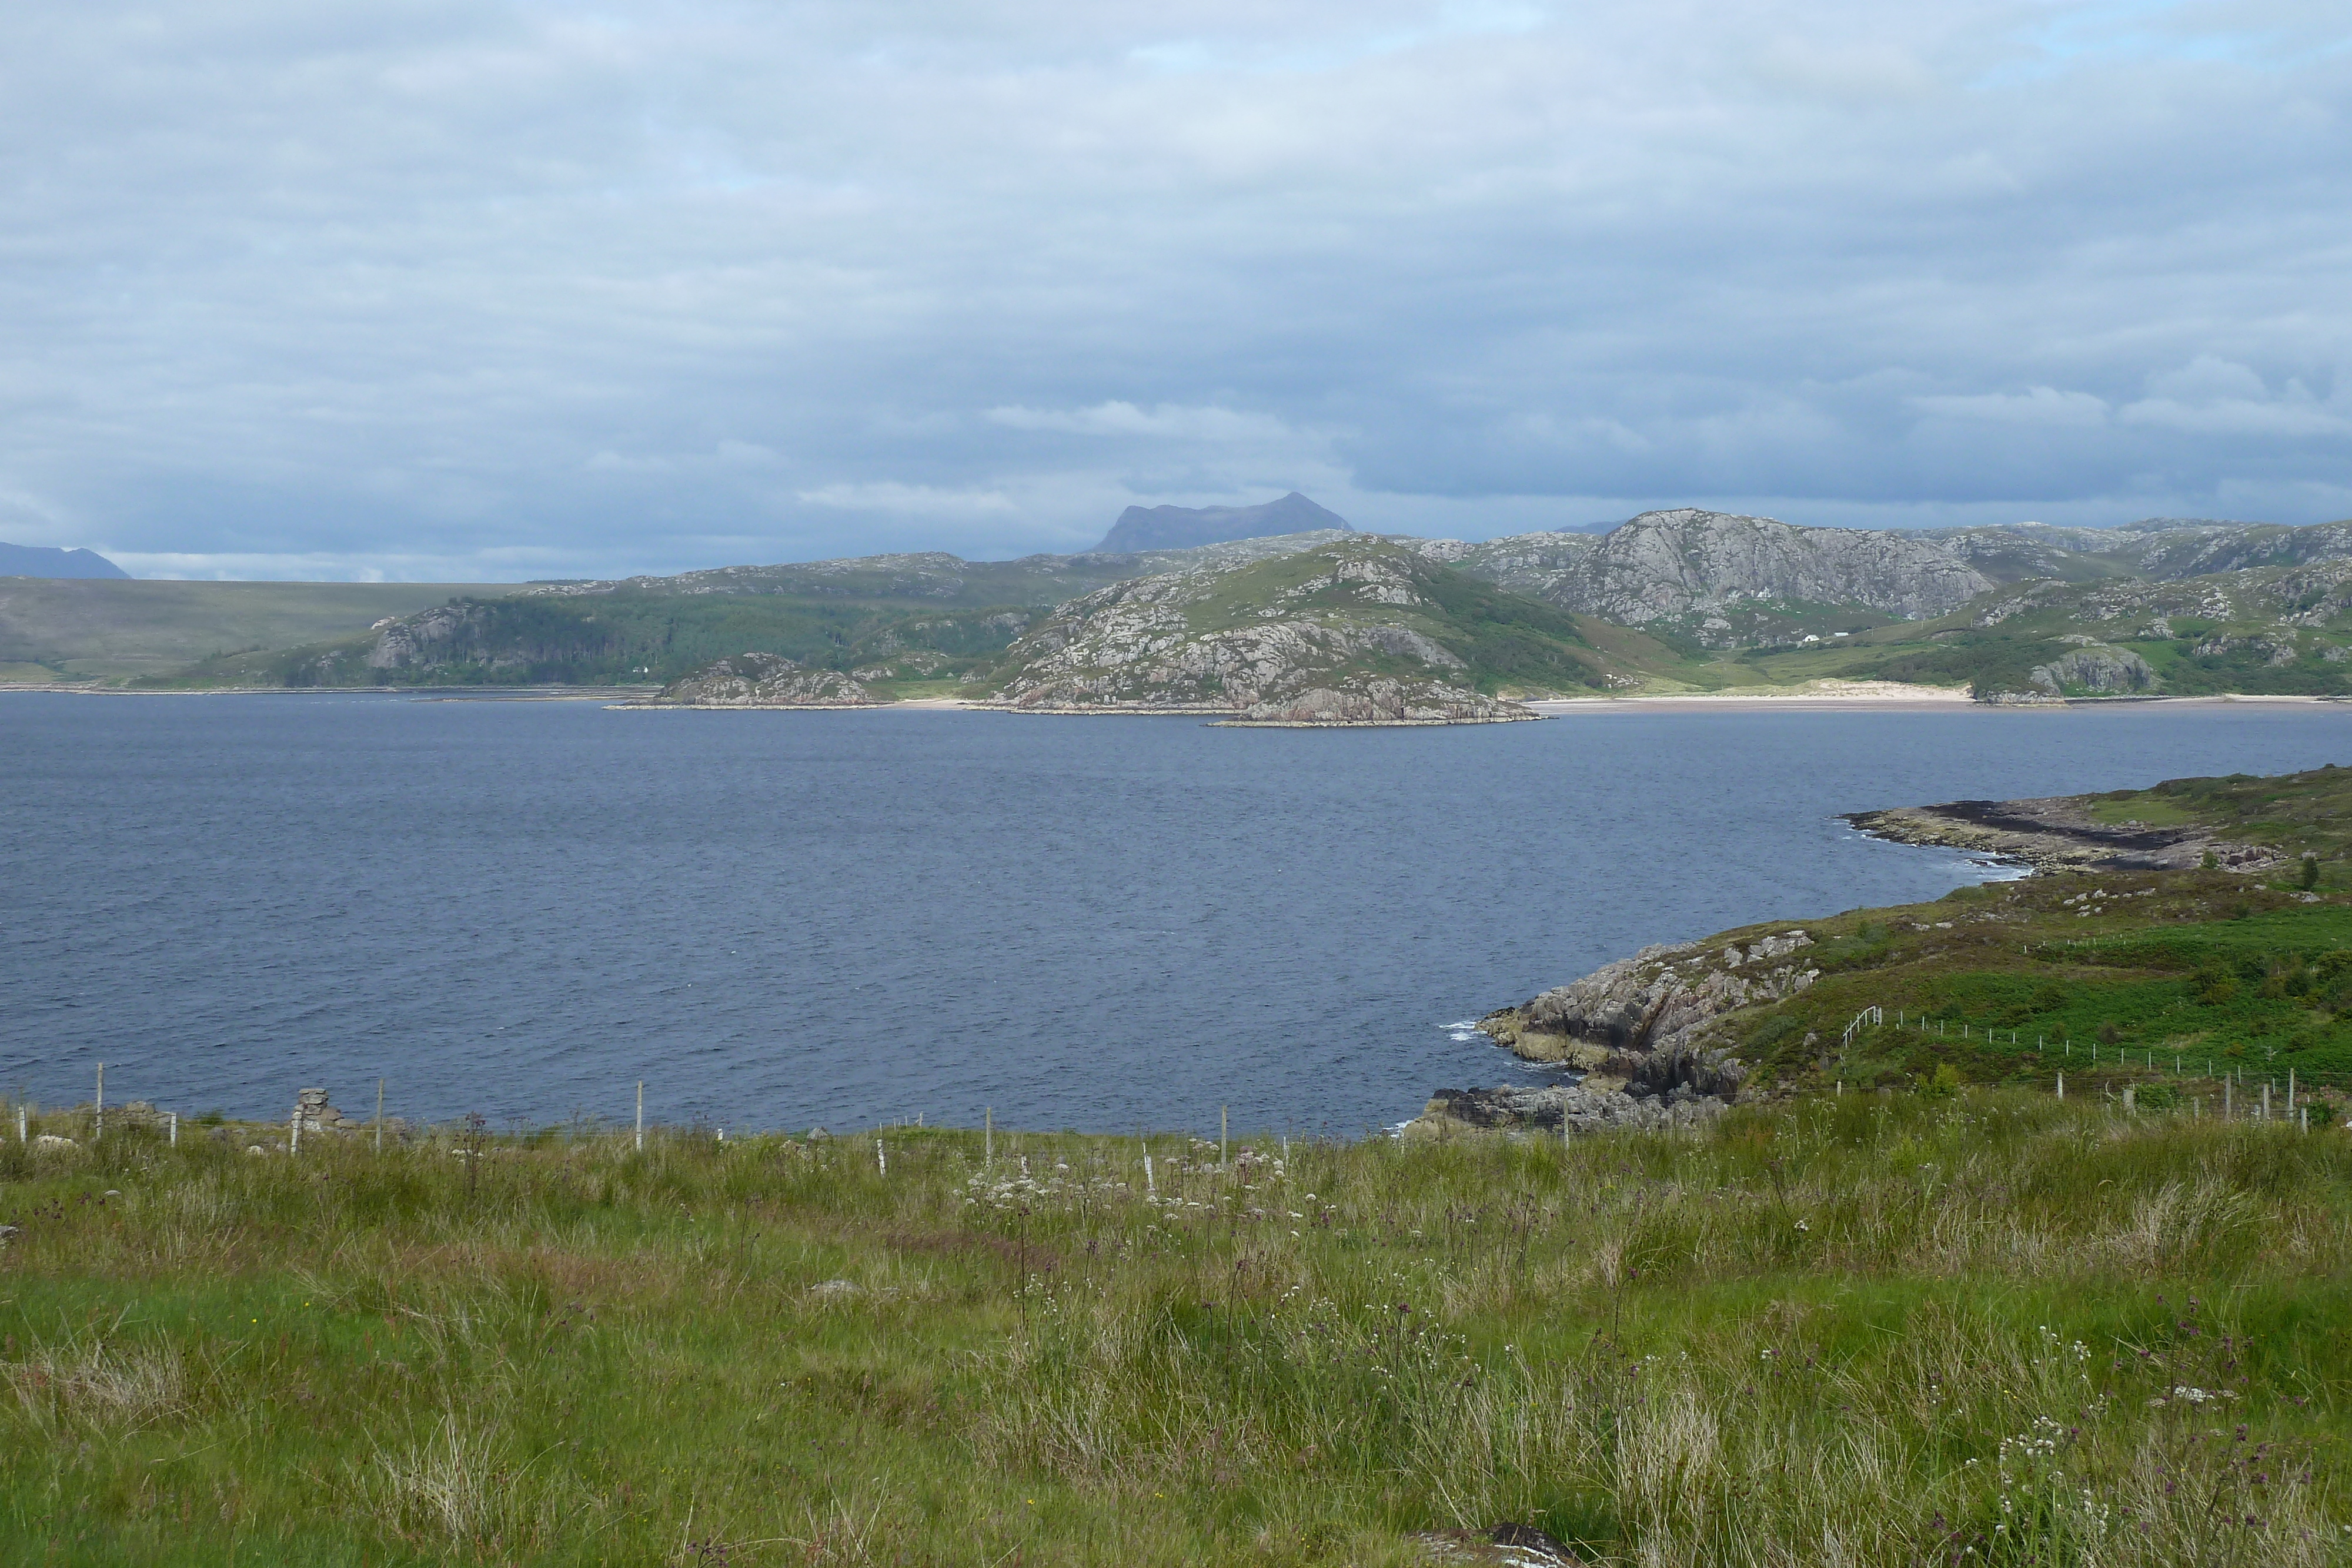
point(1860, 696)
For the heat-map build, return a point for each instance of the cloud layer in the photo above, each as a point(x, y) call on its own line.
point(482, 291)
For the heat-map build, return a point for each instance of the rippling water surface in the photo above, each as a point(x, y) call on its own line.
point(776, 919)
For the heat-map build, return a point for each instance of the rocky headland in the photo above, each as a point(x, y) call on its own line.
point(1351, 632)
point(2062, 833)
point(763, 680)
point(1643, 1032)
point(1681, 1032)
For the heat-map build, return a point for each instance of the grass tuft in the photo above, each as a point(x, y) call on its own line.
point(1962, 1325)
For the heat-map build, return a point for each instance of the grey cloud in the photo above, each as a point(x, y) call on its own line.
point(529, 290)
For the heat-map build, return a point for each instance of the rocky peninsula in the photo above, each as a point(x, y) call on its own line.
point(2065, 833)
point(1354, 631)
point(1680, 1032)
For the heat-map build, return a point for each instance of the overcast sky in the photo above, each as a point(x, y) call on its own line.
point(485, 291)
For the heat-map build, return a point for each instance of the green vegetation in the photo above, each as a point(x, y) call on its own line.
point(1511, 643)
point(2190, 976)
point(110, 630)
point(2300, 814)
point(1947, 1325)
point(628, 637)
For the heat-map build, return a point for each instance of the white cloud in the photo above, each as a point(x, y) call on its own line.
point(1166, 423)
point(2213, 396)
point(909, 500)
point(2038, 405)
point(634, 286)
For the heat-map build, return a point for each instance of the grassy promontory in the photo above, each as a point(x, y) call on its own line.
point(1972, 1325)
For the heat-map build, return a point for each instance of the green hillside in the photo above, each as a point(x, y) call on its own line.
point(1355, 630)
point(82, 629)
point(903, 620)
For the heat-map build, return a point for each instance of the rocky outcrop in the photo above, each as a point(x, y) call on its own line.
point(1559, 1109)
point(2059, 833)
point(763, 680)
point(314, 1113)
point(1346, 633)
point(1375, 699)
point(442, 634)
point(1658, 1003)
point(1643, 1030)
point(1692, 566)
point(2095, 669)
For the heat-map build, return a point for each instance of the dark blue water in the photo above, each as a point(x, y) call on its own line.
point(776, 919)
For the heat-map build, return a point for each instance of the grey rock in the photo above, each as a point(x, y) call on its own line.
point(1663, 999)
point(1696, 566)
point(2098, 669)
point(1556, 1110)
point(763, 680)
point(316, 1114)
point(1183, 643)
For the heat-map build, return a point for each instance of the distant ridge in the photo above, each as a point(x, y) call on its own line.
point(1183, 528)
point(49, 560)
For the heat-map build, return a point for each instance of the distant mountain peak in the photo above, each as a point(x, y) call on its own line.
point(49, 560)
point(1183, 528)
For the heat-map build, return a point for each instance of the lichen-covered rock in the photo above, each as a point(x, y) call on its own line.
point(2098, 669)
point(1661, 1000)
point(1341, 635)
point(1694, 566)
point(1372, 699)
point(1558, 1109)
point(763, 680)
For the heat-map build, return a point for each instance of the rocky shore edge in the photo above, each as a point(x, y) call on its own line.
point(1644, 1031)
point(2058, 833)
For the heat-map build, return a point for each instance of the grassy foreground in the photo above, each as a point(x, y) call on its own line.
point(1947, 1327)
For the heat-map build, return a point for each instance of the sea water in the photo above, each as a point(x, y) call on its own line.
point(781, 919)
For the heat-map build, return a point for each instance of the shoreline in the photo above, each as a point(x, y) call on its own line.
point(1874, 696)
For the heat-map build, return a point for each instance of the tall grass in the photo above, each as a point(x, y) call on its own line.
point(1872, 1331)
